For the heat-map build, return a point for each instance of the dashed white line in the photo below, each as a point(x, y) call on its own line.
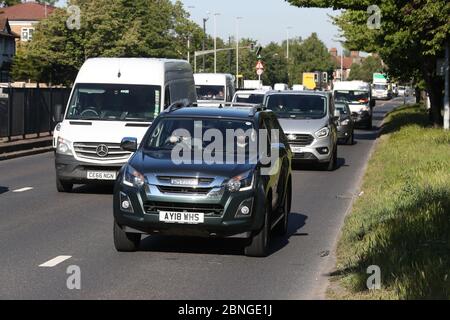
point(55, 261)
point(23, 189)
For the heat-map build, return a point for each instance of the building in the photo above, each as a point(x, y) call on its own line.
point(7, 49)
point(346, 62)
point(23, 17)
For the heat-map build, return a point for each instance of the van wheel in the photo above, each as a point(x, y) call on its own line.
point(125, 242)
point(63, 186)
point(260, 239)
point(332, 164)
point(281, 229)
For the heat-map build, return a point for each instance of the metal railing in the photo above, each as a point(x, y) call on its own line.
point(25, 111)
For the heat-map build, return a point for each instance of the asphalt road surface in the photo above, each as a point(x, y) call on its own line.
point(37, 225)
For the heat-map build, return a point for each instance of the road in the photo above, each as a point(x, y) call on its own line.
point(38, 224)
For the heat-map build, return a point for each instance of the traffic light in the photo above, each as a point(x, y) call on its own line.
point(258, 52)
point(252, 47)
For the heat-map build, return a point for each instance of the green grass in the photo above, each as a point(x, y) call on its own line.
point(402, 221)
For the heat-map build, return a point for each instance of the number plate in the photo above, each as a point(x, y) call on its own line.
point(181, 217)
point(297, 149)
point(101, 175)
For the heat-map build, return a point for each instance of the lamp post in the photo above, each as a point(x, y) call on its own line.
point(287, 38)
point(204, 40)
point(215, 41)
point(237, 50)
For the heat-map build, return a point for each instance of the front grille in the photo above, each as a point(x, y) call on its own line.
point(200, 180)
point(184, 190)
point(305, 156)
point(153, 207)
point(301, 140)
point(88, 150)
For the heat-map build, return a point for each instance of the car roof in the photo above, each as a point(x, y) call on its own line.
point(250, 91)
point(212, 112)
point(297, 92)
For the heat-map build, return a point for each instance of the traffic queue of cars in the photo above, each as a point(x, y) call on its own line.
point(137, 123)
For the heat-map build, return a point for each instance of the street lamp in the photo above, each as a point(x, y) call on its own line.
point(215, 41)
point(204, 38)
point(287, 38)
point(237, 50)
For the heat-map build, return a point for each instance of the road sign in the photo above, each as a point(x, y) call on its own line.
point(259, 72)
point(259, 65)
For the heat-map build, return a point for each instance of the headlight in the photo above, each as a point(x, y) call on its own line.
point(133, 178)
point(364, 109)
point(63, 147)
point(323, 133)
point(242, 182)
point(345, 122)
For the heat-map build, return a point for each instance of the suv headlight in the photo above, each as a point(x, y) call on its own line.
point(345, 122)
point(323, 133)
point(133, 178)
point(242, 182)
point(63, 147)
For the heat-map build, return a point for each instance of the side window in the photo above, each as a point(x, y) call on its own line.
point(167, 100)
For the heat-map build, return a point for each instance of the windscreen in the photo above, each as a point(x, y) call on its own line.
point(250, 98)
point(212, 93)
point(342, 108)
point(352, 96)
point(380, 86)
point(114, 102)
point(200, 133)
point(298, 106)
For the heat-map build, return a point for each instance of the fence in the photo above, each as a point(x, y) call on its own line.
point(26, 111)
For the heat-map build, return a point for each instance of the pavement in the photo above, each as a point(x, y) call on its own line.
point(37, 225)
point(25, 147)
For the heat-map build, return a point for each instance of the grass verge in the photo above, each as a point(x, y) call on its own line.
point(401, 223)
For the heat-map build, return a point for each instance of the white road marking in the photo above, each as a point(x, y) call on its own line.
point(23, 189)
point(55, 261)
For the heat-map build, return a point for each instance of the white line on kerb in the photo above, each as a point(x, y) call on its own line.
point(55, 261)
point(23, 189)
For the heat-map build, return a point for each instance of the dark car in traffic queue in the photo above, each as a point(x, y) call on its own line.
point(346, 124)
point(155, 195)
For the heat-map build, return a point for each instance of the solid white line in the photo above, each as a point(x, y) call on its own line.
point(23, 189)
point(54, 262)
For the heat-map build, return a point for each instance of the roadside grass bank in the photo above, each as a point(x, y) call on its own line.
point(401, 223)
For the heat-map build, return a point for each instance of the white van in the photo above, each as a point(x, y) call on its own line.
point(250, 96)
point(358, 95)
point(113, 98)
point(280, 87)
point(214, 88)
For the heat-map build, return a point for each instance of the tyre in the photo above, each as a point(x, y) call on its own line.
point(332, 164)
point(281, 228)
point(351, 139)
point(62, 186)
point(369, 124)
point(125, 242)
point(259, 242)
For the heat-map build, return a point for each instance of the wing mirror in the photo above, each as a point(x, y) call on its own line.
point(129, 144)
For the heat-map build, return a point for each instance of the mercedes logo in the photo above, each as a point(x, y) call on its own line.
point(102, 151)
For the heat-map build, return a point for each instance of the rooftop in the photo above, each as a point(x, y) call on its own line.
point(27, 11)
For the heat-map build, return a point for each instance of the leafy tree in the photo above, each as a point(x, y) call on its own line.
point(109, 28)
point(8, 3)
point(309, 55)
point(410, 40)
point(366, 69)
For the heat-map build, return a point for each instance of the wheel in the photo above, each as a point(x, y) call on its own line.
point(281, 228)
point(351, 139)
point(125, 242)
point(62, 186)
point(369, 124)
point(332, 164)
point(260, 239)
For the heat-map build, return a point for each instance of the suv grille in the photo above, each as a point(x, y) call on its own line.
point(100, 151)
point(206, 208)
point(302, 140)
point(185, 190)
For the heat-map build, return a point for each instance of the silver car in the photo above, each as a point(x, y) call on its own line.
point(309, 121)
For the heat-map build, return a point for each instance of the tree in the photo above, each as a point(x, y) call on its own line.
point(410, 40)
point(366, 69)
point(109, 28)
point(309, 55)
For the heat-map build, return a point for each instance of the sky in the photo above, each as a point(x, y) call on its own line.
point(263, 20)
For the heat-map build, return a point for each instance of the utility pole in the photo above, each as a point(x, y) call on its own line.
point(215, 41)
point(237, 50)
point(204, 41)
point(189, 48)
point(342, 64)
point(287, 46)
point(447, 89)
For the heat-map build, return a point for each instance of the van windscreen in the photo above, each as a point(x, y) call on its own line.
point(114, 102)
point(210, 93)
